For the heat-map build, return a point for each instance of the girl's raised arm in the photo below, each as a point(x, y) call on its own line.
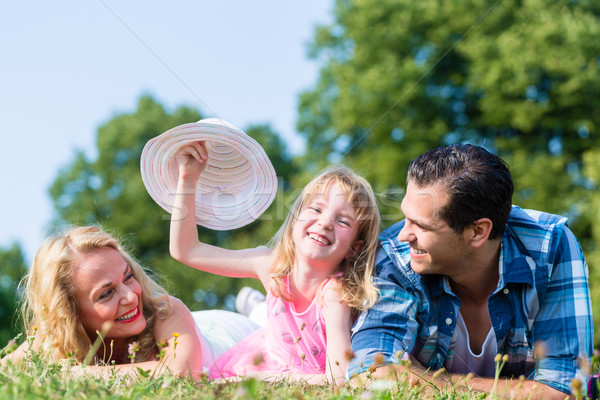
point(184, 245)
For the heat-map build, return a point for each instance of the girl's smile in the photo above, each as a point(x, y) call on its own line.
point(326, 230)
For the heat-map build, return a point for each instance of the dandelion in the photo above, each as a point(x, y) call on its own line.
point(437, 373)
point(298, 339)
point(366, 395)
point(106, 326)
point(302, 356)
point(349, 355)
point(31, 336)
point(539, 349)
point(499, 357)
point(584, 365)
point(112, 347)
point(162, 344)
point(382, 385)
point(576, 386)
point(11, 346)
point(372, 368)
point(521, 381)
point(303, 326)
point(379, 359)
point(176, 336)
point(132, 349)
point(258, 359)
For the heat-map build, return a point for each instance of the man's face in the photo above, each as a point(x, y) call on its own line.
point(434, 247)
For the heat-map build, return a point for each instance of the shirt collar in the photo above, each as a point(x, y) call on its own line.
point(515, 264)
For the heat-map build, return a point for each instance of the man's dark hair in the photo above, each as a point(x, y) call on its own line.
point(478, 183)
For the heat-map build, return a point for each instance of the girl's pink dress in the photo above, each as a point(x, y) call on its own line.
point(291, 342)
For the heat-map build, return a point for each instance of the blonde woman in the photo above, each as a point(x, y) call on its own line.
point(84, 288)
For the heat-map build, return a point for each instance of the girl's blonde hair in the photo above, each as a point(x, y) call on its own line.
point(357, 288)
point(49, 302)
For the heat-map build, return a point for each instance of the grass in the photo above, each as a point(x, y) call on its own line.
point(39, 378)
point(50, 381)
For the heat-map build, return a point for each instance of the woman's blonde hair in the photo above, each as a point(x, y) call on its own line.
point(354, 274)
point(49, 302)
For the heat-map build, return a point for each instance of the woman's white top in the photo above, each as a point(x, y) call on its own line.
point(219, 330)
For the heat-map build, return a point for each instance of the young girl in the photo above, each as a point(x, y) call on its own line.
point(317, 274)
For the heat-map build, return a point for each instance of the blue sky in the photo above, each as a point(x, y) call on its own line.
point(68, 66)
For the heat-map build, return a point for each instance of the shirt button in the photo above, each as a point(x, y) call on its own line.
point(505, 291)
point(448, 321)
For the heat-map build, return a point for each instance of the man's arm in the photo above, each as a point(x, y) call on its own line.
point(414, 374)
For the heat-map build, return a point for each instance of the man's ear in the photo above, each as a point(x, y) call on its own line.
point(356, 248)
point(479, 232)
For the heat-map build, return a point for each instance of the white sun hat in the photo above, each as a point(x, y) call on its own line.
point(237, 185)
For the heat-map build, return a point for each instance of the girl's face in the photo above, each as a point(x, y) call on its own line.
point(326, 230)
point(106, 291)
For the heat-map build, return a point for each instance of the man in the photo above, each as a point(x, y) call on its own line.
point(467, 276)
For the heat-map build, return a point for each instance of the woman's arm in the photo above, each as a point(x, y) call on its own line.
point(182, 352)
point(184, 245)
point(21, 352)
point(504, 388)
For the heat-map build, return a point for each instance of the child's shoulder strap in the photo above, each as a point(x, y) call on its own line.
point(325, 285)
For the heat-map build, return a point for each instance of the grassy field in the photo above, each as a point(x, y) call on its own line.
point(51, 381)
point(39, 378)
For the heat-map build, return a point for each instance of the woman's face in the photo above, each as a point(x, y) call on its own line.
point(106, 291)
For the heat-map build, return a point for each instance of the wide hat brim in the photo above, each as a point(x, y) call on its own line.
point(237, 185)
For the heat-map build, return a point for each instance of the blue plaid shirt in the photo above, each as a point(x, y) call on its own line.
point(542, 295)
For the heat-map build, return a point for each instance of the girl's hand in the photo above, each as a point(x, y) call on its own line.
point(191, 160)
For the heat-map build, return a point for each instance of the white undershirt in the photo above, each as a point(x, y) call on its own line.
point(464, 361)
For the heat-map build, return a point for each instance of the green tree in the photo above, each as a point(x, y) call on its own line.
point(592, 244)
point(12, 269)
point(519, 77)
point(109, 191)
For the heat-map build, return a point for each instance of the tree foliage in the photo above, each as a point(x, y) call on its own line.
point(12, 269)
point(109, 191)
point(521, 78)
